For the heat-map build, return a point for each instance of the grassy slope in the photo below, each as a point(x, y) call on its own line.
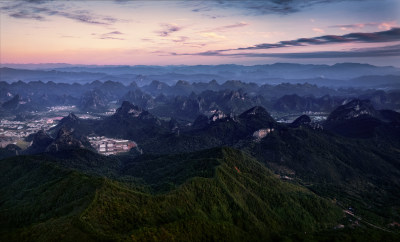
point(362, 173)
point(39, 200)
point(232, 205)
point(241, 200)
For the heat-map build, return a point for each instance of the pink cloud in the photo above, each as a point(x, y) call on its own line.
point(318, 30)
point(387, 25)
point(380, 25)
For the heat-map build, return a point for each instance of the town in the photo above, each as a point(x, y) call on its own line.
point(14, 129)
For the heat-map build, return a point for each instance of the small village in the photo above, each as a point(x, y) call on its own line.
point(12, 131)
point(109, 146)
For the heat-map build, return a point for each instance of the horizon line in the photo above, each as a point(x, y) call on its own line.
point(2, 65)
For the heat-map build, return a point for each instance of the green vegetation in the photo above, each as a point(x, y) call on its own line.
point(220, 194)
point(359, 173)
point(39, 200)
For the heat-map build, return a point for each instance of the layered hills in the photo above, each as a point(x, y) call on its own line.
point(225, 176)
point(337, 74)
point(184, 100)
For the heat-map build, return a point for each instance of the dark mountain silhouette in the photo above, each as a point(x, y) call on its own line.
point(358, 118)
point(139, 98)
point(40, 141)
point(353, 109)
point(156, 88)
point(301, 121)
point(65, 140)
point(131, 122)
point(93, 101)
point(12, 104)
point(216, 130)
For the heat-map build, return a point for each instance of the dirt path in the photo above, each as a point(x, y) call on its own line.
point(365, 222)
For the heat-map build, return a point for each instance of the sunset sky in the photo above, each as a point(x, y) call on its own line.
point(200, 32)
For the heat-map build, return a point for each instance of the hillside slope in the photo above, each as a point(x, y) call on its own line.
point(230, 196)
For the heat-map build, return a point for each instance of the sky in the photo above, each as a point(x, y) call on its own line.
point(123, 32)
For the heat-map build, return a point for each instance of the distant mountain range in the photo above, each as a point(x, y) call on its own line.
point(324, 75)
point(184, 100)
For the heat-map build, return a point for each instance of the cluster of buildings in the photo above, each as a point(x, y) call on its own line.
point(109, 146)
point(53, 120)
point(261, 133)
point(111, 111)
point(21, 129)
point(61, 108)
point(11, 130)
point(317, 116)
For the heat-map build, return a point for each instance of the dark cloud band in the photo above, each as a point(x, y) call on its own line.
point(375, 37)
point(260, 7)
point(386, 51)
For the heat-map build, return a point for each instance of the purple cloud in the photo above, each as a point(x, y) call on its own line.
point(252, 7)
point(111, 35)
point(168, 29)
point(37, 11)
